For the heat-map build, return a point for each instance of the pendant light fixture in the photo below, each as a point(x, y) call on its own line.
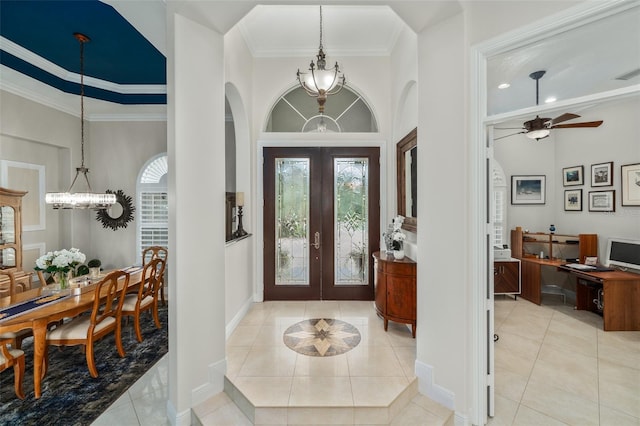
point(86, 199)
point(320, 82)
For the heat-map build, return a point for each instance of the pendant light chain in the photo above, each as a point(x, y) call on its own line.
point(82, 41)
point(321, 47)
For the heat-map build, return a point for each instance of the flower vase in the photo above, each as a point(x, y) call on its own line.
point(388, 239)
point(398, 251)
point(62, 279)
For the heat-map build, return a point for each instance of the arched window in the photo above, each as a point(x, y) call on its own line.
point(153, 211)
point(499, 205)
point(346, 111)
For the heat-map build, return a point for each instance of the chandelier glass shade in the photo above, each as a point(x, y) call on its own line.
point(318, 81)
point(86, 198)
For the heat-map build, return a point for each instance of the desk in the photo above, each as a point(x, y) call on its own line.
point(620, 294)
point(532, 276)
point(38, 319)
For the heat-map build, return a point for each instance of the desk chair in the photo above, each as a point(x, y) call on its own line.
point(86, 330)
point(154, 252)
point(146, 299)
point(16, 337)
point(13, 358)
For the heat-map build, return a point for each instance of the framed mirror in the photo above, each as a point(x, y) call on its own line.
point(407, 179)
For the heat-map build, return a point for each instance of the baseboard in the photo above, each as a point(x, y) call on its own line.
point(178, 419)
point(238, 317)
point(426, 386)
point(214, 385)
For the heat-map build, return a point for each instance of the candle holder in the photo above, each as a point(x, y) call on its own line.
point(240, 232)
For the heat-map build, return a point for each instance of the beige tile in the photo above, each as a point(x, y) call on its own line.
point(321, 392)
point(321, 366)
point(620, 388)
point(271, 416)
point(522, 346)
point(432, 406)
point(512, 361)
point(235, 358)
point(574, 373)
point(211, 405)
point(370, 361)
point(505, 412)
point(243, 335)
point(403, 399)
point(320, 416)
point(559, 404)
point(269, 361)
point(227, 415)
point(609, 416)
point(407, 357)
point(151, 410)
point(400, 334)
point(255, 316)
point(269, 335)
point(265, 391)
point(373, 335)
point(572, 336)
point(528, 417)
point(414, 415)
point(377, 391)
point(371, 416)
point(620, 347)
point(123, 414)
point(509, 385)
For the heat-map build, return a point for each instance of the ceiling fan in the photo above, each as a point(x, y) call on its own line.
point(539, 128)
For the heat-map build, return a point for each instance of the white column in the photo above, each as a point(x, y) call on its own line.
point(196, 215)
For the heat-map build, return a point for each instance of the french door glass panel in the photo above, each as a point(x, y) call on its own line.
point(292, 221)
point(351, 221)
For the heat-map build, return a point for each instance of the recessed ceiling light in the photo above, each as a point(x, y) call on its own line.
point(550, 99)
point(504, 86)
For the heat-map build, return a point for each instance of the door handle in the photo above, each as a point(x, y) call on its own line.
point(316, 241)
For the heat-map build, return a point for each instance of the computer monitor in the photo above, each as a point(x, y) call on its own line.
point(623, 253)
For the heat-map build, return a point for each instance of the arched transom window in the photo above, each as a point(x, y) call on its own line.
point(346, 111)
point(153, 214)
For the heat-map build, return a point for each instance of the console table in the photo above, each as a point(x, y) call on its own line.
point(395, 289)
point(614, 294)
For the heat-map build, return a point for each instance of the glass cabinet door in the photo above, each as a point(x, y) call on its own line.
point(7, 225)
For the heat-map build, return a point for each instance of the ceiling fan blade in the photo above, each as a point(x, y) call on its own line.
point(512, 134)
point(509, 128)
point(564, 117)
point(573, 125)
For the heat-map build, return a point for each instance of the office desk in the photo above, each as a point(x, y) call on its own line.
point(531, 277)
point(620, 296)
point(39, 318)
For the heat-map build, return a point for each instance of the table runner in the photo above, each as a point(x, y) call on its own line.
point(28, 305)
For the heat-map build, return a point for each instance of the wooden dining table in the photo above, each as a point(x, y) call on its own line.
point(38, 319)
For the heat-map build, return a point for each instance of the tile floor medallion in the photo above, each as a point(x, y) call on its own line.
point(321, 337)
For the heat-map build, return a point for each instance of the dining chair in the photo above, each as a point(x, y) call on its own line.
point(146, 298)
point(16, 337)
point(13, 358)
point(87, 329)
point(154, 252)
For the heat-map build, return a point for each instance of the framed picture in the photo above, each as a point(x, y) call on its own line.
point(602, 174)
point(630, 175)
point(572, 176)
point(528, 189)
point(573, 200)
point(602, 201)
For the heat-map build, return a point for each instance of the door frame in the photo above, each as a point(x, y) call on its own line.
point(266, 140)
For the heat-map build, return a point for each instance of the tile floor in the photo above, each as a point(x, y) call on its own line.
point(554, 366)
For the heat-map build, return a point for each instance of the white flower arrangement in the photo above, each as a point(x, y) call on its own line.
point(60, 260)
point(398, 236)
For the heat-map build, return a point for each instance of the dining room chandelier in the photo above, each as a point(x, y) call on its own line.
point(86, 198)
point(320, 82)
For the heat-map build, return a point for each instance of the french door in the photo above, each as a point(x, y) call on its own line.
point(321, 222)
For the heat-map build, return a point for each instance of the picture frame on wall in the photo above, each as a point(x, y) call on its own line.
point(602, 174)
point(573, 200)
point(602, 201)
point(572, 176)
point(630, 178)
point(528, 189)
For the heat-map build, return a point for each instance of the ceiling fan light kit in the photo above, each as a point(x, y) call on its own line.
point(540, 128)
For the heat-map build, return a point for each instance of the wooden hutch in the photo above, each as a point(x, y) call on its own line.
point(11, 241)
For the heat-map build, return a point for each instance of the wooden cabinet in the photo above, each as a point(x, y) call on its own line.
point(395, 289)
point(11, 241)
point(506, 277)
point(553, 246)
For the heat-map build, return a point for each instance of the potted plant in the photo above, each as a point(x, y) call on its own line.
point(94, 267)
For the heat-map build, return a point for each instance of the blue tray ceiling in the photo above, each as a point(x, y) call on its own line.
point(117, 52)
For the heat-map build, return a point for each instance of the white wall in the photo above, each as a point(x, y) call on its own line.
point(615, 140)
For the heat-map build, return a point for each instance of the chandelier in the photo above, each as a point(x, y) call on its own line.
point(320, 82)
point(86, 199)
